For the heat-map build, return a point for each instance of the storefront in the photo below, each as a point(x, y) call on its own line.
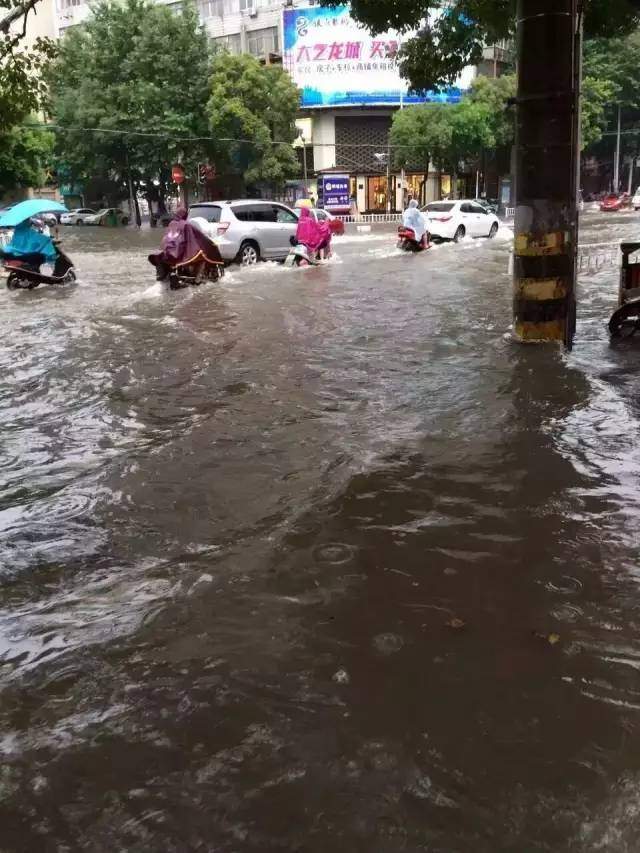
point(378, 194)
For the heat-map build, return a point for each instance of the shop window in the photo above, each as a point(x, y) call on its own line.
point(377, 194)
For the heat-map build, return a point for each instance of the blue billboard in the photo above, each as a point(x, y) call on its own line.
point(333, 192)
point(336, 62)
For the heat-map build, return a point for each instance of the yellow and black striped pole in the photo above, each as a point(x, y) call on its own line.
point(547, 158)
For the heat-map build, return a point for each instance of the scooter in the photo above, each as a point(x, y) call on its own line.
point(300, 256)
point(186, 275)
point(407, 240)
point(24, 273)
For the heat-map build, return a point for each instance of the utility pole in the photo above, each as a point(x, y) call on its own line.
point(616, 165)
point(549, 34)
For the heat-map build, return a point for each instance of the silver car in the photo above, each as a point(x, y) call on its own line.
point(248, 231)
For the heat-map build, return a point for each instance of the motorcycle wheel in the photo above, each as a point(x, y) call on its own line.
point(625, 322)
point(70, 277)
point(13, 282)
point(174, 281)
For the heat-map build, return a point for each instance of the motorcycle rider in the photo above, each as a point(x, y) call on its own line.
point(316, 236)
point(183, 246)
point(30, 246)
point(414, 219)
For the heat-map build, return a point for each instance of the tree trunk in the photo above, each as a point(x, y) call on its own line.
point(454, 185)
point(547, 146)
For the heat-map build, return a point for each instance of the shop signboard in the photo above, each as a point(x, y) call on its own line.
point(336, 62)
point(333, 193)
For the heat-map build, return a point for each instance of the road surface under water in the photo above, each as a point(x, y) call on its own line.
point(316, 560)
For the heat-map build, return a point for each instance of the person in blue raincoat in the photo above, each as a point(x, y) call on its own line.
point(29, 245)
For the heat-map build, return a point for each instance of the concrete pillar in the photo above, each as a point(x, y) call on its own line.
point(547, 155)
point(324, 141)
point(362, 193)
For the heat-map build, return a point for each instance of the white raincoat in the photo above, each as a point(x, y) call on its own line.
point(413, 218)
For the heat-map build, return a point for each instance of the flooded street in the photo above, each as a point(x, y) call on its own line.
point(317, 560)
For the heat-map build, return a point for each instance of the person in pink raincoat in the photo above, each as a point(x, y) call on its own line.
point(316, 236)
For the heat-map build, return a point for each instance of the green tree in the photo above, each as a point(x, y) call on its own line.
point(25, 153)
point(494, 94)
point(250, 101)
point(22, 150)
point(126, 89)
point(597, 96)
point(411, 137)
point(455, 33)
point(21, 84)
point(448, 135)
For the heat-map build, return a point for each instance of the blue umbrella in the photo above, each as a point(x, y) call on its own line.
point(26, 209)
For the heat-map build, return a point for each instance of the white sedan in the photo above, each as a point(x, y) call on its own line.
point(453, 220)
point(77, 216)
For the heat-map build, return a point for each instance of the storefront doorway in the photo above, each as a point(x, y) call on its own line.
point(377, 191)
point(415, 188)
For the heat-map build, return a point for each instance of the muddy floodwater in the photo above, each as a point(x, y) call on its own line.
point(317, 560)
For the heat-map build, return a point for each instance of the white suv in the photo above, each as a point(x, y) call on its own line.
point(248, 231)
point(453, 220)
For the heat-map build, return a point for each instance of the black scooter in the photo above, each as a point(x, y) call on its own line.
point(24, 273)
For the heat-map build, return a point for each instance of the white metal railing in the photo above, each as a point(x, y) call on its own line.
point(592, 258)
point(371, 218)
point(509, 212)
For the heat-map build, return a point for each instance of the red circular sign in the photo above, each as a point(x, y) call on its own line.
point(177, 174)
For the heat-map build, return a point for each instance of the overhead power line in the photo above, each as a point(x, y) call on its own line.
point(168, 137)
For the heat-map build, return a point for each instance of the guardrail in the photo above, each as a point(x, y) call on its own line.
point(593, 258)
point(509, 212)
point(371, 218)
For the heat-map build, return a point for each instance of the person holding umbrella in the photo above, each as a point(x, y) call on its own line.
point(28, 244)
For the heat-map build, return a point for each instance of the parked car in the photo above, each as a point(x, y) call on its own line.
point(615, 201)
point(76, 216)
point(247, 230)
point(453, 220)
point(336, 225)
point(107, 216)
point(635, 201)
point(490, 204)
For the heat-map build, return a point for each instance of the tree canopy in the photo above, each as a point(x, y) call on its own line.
point(21, 84)
point(119, 94)
point(23, 151)
point(250, 101)
point(24, 155)
point(452, 36)
point(447, 136)
point(120, 97)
